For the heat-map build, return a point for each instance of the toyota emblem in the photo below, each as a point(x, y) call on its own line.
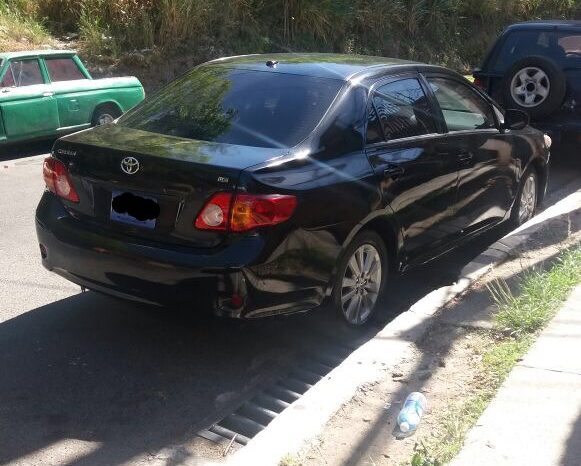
point(130, 165)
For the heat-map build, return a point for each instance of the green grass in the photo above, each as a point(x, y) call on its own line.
point(539, 298)
point(290, 460)
point(518, 320)
point(455, 33)
point(19, 30)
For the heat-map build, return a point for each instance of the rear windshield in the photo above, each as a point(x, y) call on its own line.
point(561, 47)
point(250, 108)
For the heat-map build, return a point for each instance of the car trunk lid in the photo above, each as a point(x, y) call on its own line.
point(179, 175)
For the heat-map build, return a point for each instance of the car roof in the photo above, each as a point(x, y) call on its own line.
point(35, 53)
point(545, 24)
point(324, 65)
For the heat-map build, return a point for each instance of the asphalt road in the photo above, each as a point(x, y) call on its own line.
point(89, 380)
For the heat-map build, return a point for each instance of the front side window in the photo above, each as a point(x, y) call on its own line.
point(249, 108)
point(402, 110)
point(8, 79)
point(463, 109)
point(24, 73)
point(63, 69)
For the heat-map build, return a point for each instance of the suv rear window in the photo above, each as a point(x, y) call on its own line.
point(558, 46)
point(250, 108)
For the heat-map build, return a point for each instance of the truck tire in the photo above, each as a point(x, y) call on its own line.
point(535, 85)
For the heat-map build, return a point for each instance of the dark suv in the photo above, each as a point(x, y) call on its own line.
point(536, 67)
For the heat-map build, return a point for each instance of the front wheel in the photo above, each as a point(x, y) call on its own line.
point(526, 202)
point(360, 279)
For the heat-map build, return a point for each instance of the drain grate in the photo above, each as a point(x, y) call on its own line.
point(256, 413)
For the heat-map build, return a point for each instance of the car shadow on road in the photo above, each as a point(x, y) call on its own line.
point(136, 379)
point(573, 446)
point(130, 377)
point(18, 151)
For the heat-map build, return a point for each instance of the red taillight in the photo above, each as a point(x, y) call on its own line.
point(215, 214)
point(479, 83)
point(57, 180)
point(243, 212)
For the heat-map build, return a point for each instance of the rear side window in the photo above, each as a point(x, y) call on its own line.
point(401, 109)
point(250, 108)
point(25, 73)
point(374, 131)
point(571, 43)
point(463, 109)
point(63, 69)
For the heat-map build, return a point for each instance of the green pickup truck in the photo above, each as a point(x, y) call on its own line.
point(49, 93)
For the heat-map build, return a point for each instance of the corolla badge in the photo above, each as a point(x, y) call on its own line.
point(130, 165)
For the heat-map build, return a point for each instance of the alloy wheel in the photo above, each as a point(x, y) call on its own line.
point(528, 199)
point(530, 87)
point(361, 284)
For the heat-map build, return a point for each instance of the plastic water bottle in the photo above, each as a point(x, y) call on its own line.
point(411, 412)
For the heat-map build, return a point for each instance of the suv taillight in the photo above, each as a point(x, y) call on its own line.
point(243, 212)
point(57, 179)
point(479, 83)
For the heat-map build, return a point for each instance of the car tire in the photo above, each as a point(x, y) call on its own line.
point(356, 292)
point(105, 114)
point(527, 198)
point(535, 85)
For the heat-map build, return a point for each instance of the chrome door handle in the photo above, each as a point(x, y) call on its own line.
point(5, 90)
point(393, 171)
point(48, 94)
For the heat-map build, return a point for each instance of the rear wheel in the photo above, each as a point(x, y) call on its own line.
point(360, 278)
point(105, 114)
point(526, 202)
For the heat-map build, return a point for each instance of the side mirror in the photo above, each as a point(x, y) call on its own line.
point(515, 119)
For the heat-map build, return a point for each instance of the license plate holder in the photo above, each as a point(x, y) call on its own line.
point(125, 203)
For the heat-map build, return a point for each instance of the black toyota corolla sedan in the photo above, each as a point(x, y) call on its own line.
point(269, 184)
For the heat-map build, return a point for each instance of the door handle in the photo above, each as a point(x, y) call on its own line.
point(5, 90)
point(465, 157)
point(393, 171)
point(48, 94)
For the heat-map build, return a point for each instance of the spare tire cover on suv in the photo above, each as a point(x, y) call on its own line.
point(535, 85)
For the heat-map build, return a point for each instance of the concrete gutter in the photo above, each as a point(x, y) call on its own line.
point(289, 432)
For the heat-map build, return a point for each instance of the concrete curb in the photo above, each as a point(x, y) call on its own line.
point(545, 384)
point(305, 418)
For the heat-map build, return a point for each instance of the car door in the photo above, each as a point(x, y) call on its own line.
point(483, 153)
point(75, 101)
point(26, 102)
point(415, 180)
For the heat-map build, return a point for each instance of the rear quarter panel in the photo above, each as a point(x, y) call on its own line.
point(530, 151)
point(77, 100)
point(2, 131)
point(333, 197)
